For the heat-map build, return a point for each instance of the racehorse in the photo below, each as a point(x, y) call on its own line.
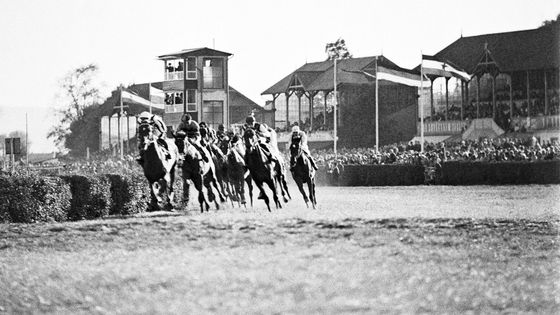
point(237, 172)
point(280, 169)
point(302, 173)
point(262, 170)
point(159, 160)
point(201, 174)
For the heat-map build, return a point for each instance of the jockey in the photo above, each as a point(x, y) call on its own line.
point(299, 137)
point(189, 128)
point(261, 131)
point(208, 135)
point(159, 130)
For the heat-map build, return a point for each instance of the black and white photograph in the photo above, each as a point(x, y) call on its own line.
point(279, 157)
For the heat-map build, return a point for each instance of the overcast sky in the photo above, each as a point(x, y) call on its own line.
point(43, 40)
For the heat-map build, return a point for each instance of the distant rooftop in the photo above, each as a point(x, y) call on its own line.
point(194, 52)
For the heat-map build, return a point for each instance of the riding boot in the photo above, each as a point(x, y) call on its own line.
point(140, 159)
point(292, 164)
point(202, 153)
point(313, 163)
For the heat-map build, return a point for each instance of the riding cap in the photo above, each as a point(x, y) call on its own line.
point(250, 119)
point(186, 117)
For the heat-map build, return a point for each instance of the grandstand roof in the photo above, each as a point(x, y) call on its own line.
point(512, 51)
point(318, 76)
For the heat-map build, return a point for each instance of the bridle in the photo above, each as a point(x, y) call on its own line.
point(146, 135)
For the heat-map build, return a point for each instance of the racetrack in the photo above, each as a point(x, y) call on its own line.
point(414, 249)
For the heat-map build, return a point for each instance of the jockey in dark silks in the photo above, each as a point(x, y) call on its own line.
point(189, 128)
point(262, 131)
point(159, 130)
point(299, 139)
point(209, 139)
point(222, 138)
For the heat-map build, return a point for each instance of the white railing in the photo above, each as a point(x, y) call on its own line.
point(176, 108)
point(443, 127)
point(175, 75)
point(316, 136)
point(537, 122)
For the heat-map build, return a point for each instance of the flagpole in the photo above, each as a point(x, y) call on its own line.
point(421, 106)
point(26, 145)
point(150, 95)
point(121, 140)
point(334, 111)
point(376, 109)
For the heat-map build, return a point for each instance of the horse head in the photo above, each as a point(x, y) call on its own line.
point(249, 138)
point(145, 135)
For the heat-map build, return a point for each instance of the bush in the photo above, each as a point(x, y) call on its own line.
point(129, 192)
point(32, 198)
point(91, 196)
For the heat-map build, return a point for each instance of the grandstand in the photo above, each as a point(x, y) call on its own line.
point(513, 90)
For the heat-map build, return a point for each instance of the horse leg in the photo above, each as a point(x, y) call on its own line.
point(272, 184)
point(211, 196)
point(214, 182)
point(299, 184)
point(263, 193)
point(249, 182)
point(186, 191)
point(311, 188)
point(171, 194)
point(153, 205)
point(201, 199)
point(241, 192)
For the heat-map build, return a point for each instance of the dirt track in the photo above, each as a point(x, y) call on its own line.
point(462, 249)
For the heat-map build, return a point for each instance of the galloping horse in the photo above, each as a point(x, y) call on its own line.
point(303, 172)
point(159, 161)
point(280, 168)
point(262, 170)
point(237, 172)
point(201, 174)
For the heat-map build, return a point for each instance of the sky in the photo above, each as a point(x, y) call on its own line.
point(42, 40)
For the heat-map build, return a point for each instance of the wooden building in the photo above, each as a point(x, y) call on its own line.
point(196, 82)
point(305, 96)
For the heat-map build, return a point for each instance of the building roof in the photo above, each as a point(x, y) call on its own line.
point(236, 99)
point(194, 52)
point(318, 76)
point(512, 51)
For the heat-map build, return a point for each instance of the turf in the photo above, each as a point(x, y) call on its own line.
point(429, 249)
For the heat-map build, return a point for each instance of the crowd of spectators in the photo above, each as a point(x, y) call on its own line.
point(487, 150)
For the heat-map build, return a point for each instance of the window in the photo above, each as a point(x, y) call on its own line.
point(174, 101)
point(213, 72)
point(191, 68)
point(191, 101)
point(213, 113)
point(174, 69)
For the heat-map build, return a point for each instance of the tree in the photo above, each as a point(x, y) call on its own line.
point(337, 50)
point(550, 22)
point(78, 93)
point(84, 132)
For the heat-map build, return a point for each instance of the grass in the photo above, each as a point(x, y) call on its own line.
point(350, 256)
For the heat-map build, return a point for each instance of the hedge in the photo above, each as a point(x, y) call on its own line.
point(130, 193)
point(505, 173)
point(91, 196)
point(374, 175)
point(31, 198)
